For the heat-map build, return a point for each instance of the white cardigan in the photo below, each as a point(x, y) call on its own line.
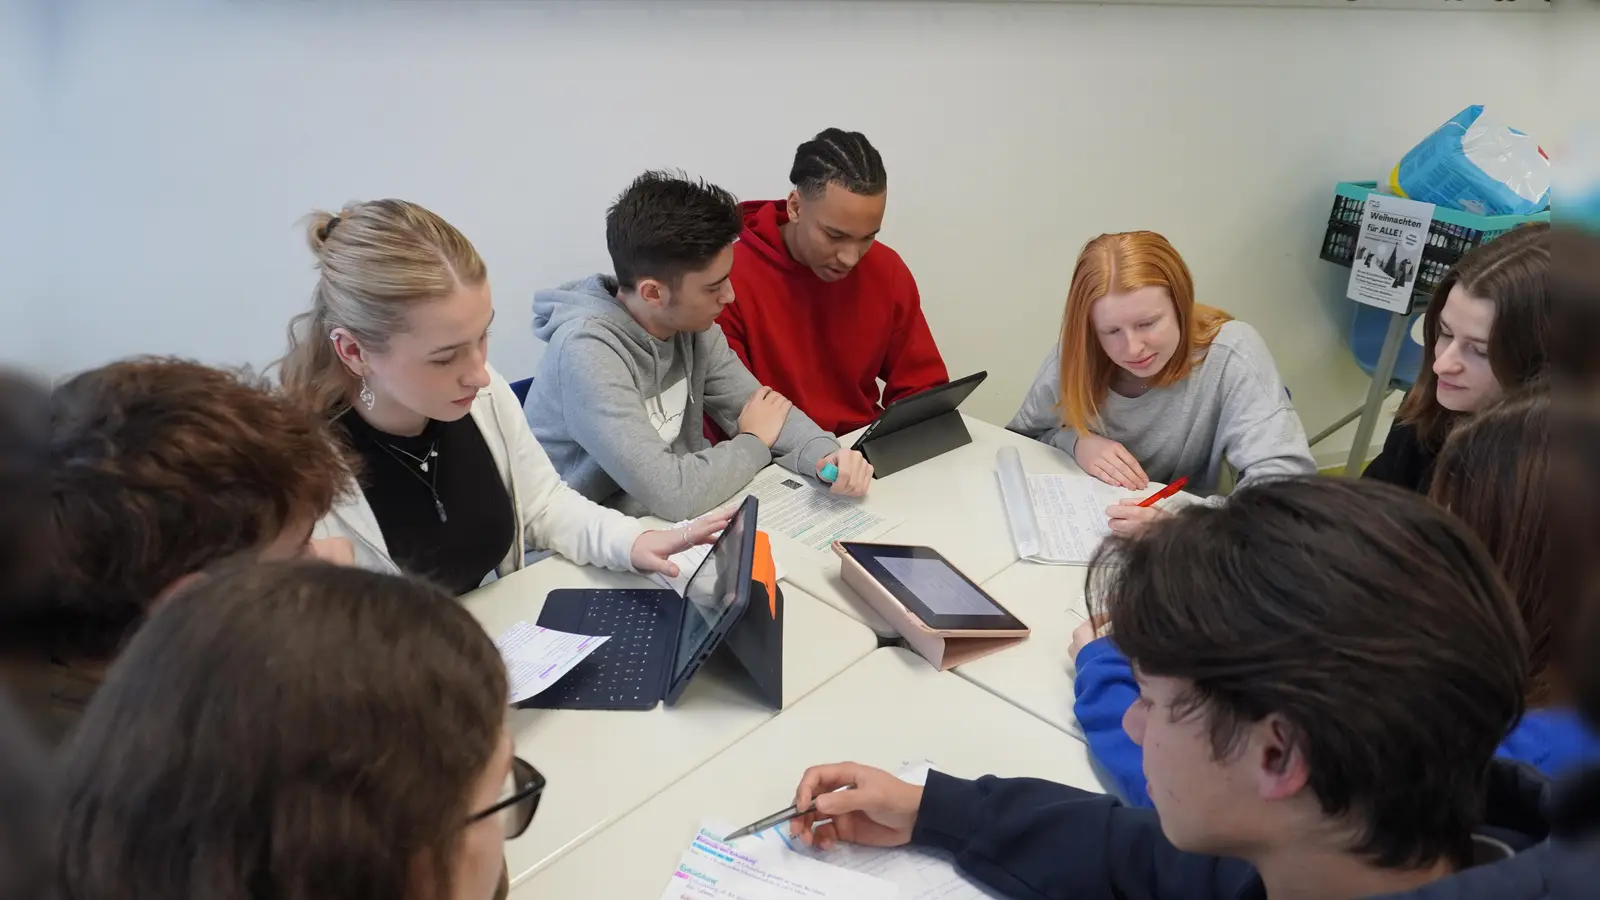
point(549, 514)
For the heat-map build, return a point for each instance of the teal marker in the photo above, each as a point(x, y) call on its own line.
point(829, 473)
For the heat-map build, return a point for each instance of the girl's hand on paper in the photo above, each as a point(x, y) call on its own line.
point(1110, 462)
point(1128, 517)
point(855, 473)
point(879, 812)
point(1083, 634)
point(652, 551)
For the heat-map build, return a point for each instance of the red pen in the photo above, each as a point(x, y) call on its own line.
point(1165, 492)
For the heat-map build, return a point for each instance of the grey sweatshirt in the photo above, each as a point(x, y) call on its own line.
point(621, 414)
point(1231, 407)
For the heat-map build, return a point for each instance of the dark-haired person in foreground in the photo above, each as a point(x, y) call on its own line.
point(297, 730)
point(24, 498)
point(826, 312)
point(24, 548)
point(26, 794)
point(1326, 667)
point(158, 468)
point(636, 362)
point(1494, 475)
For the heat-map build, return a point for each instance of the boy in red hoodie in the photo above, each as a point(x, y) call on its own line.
point(824, 313)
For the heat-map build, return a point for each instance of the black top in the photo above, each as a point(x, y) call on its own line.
point(456, 541)
point(1405, 461)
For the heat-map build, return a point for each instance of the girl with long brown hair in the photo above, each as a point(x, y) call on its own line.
point(1499, 473)
point(1487, 331)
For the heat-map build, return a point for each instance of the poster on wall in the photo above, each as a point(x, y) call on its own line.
point(1389, 252)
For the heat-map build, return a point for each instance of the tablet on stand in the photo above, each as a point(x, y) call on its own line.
point(942, 614)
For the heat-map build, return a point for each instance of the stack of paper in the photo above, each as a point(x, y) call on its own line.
point(754, 870)
point(537, 657)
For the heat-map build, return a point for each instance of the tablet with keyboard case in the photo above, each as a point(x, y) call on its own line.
point(659, 639)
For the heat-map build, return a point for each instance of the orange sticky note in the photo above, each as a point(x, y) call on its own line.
point(766, 571)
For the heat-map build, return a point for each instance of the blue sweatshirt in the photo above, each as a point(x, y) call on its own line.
point(1025, 838)
point(1554, 741)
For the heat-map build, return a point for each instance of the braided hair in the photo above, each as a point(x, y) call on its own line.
point(835, 156)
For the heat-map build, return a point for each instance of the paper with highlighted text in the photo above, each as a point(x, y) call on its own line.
point(761, 870)
point(537, 657)
point(921, 873)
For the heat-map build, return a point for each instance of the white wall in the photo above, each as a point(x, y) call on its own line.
point(178, 144)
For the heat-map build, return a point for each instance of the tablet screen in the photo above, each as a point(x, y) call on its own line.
point(712, 593)
point(931, 588)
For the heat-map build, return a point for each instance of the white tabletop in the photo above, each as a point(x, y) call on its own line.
point(1037, 674)
point(601, 764)
point(888, 709)
point(950, 503)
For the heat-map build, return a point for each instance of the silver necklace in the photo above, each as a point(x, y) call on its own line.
point(421, 461)
point(432, 481)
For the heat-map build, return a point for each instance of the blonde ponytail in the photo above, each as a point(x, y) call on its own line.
point(376, 260)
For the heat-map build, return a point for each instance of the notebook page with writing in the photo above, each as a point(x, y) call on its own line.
point(1057, 519)
point(1071, 510)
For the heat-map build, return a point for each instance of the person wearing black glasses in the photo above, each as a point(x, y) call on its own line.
point(297, 730)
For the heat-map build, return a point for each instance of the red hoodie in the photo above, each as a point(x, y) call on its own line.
point(825, 345)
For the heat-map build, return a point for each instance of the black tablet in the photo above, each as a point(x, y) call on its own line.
point(714, 598)
point(920, 407)
point(932, 589)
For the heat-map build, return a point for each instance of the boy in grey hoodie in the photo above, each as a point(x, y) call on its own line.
point(636, 362)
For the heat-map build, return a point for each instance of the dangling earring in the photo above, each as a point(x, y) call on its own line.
point(368, 398)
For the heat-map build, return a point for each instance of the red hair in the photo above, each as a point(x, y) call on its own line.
point(1115, 264)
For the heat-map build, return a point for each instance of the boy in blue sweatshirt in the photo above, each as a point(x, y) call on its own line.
point(1553, 741)
point(1325, 668)
point(1494, 474)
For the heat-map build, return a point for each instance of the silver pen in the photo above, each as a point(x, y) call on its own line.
point(777, 818)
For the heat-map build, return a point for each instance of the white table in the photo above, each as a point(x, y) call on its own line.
point(888, 709)
point(602, 764)
point(950, 503)
point(1037, 674)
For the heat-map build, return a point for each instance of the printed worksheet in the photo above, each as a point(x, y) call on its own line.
point(920, 873)
point(537, 657)
point(760, 870)
point(808, 514)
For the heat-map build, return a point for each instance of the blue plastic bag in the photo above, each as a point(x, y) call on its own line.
point(1475, 163)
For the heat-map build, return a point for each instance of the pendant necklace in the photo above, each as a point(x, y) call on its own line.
point(432, 481)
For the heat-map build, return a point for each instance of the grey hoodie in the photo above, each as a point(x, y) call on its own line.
point(1232, 407)
point(602, 378)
